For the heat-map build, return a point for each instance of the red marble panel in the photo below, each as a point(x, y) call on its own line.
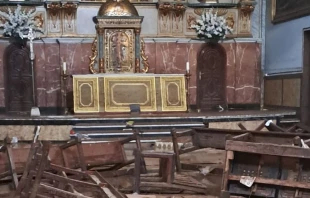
point(150, 52)
point(52, 73)
point(242, 74)
point(40, 75)
point(247, 88)
point(171, 58)
point(230, 72)
point(76, 56)
point(2, 97)
point(243, 68)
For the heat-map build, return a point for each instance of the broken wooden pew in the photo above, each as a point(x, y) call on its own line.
point(216, 138)
point(97, 155)
point(265, 170)
point(37, 181)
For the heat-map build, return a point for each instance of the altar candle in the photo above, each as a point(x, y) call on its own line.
point(64, 67)
point(187, 66)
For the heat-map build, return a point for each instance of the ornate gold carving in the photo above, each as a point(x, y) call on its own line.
point(39, 20)
point(54, 8)
point(101, 65)
point(165, 8)
point(145, 59)
point(246, 8)
point(220, 11)
point(69, 8)
point(179, 9)
point(137, 30)
point(173, 93)
point(190, 20)
point(125, 23)
point(85, 94)
point(117, 8)
point(119, 50)
point(145, 86)
point(230, 20)
point(137, 64)
point(100, 31)
point(93, 56)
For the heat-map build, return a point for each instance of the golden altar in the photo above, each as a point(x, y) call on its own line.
point(94, 93)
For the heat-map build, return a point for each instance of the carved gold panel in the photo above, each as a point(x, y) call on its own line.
point(173, 93)
point(85, 94)
point(120, 92)
point(119, 50)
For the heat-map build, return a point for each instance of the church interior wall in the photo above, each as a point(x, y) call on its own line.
point(284, 44)
point(167, 53)
point(283, 60)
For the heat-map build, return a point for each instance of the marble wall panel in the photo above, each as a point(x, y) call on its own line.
point(243, 67)
point(40, 74)
point(247, 81)
point(52, 73)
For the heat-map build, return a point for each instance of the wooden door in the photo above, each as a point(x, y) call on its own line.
point(211, 77)
point(18, 80)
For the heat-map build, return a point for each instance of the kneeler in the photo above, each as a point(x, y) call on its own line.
point(37, 182)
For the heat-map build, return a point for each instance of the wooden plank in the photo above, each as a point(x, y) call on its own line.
point(215, 138)
point(268, 149)
point(276, 182)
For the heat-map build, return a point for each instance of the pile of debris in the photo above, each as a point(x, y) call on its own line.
point(272, 163)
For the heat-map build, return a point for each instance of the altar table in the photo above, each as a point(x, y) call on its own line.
point(115, 92)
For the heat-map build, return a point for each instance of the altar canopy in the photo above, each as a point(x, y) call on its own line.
point(95, 93)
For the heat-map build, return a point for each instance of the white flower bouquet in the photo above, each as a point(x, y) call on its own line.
point(211, 26)
point(18, 23)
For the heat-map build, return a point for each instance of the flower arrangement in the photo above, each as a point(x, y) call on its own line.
point(211, 26)
point(18, 23)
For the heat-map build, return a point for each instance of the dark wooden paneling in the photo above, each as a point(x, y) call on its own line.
point(211, 74)
point(18, 76)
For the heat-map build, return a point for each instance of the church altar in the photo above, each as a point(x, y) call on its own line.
point(96, 93)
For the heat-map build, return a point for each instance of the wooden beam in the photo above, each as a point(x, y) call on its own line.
point(276, 182)
point(268, 149)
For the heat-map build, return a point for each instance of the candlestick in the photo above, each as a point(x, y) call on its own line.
point(187, 77)
point(63, 84)
point(187, 67)
point(64, 67)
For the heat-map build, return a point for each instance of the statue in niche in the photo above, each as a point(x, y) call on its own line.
point(119, 51)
